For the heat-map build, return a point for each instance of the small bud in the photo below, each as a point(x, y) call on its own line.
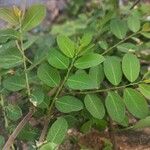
point(17, 11)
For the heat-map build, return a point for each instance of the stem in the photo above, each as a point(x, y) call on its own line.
point(108, 89)
point(5, 118)
point(60, 88)
point(29, 115)
point(21, 48)
point(134, 4)
point(44, 131)
point(27, 59)
point(36, 64)
point(26, 76)
point(20, 126)
point(123, 40)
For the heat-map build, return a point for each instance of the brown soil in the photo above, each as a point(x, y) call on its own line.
point(127, 140)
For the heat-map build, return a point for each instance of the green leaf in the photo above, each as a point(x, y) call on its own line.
point(124, 122)
point(58, 130)
point(13, 112)
point(31, 40)
point(89, 60)
point(131, 67)
point(45, 103)
point(57, 59)
point(112, 70)
point(48, 75)
point(72, 121)
point(86, 127)
point(81, 81)
point(135, 103)
point(86, 40)
point(8, 15)
point(118, 28)
point(115, 107)
point(146, 27)
point(14, 83)
point(145, 34)
point(10, 58)
point(2, 141)
point(97, 75)
point(94, 105)
point(145, 90)
point(133, 23)
point(49, 146)
point(127, 47)
point(33, 17)
point(66, 45)
point(68, 104)
point(144, 123)
point(29, 133)
point(37, 97)
point(9, 34)
point(103, 44)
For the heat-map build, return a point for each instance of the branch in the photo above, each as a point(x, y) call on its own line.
point(105, 90)
point(134, 4)
point(20, 126)
point(44, 131)
point(120, 42)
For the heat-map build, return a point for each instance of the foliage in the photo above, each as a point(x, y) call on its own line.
point(90, 74)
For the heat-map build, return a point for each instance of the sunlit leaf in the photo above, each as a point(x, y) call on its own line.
point(8, 15)
point(66, 45)
point(86, 39)
point(33, 17)
point(145, 90)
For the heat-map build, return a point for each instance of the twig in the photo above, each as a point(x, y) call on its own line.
point(3, 109)
point(134, 4)
point(46, 121)
point(44, 131)
point(20, 126)
point(120, 42)
point(112, 134)
point(107, 89)
point(21, 49)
